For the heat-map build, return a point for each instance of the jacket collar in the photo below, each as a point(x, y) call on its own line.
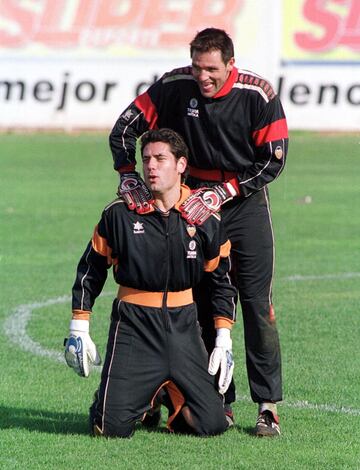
point(226, 88)
point(185, 193)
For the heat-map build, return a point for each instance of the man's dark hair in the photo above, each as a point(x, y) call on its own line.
point(168, 136)
point(211, 39)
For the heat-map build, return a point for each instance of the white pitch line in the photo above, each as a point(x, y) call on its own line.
point(323, 277)
point(15, 329)
point(305, 405)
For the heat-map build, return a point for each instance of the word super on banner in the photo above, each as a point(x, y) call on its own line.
point(76, 64)
point(320, 63)
point(107, 24)
point(322, 31)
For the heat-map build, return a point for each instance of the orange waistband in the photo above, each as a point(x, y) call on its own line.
point(211, 175)
point(155, 299)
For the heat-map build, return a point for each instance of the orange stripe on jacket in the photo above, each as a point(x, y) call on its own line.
point(212, 264)
point(100, 245)
point(275, 131)
point(144, 103)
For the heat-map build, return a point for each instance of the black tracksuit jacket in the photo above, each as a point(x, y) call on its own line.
point(242, 129)
point(155, 253)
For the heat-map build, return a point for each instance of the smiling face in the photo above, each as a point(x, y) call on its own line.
point(210, 71)
point(162, 171)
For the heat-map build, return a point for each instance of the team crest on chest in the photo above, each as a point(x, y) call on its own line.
point(191, 230)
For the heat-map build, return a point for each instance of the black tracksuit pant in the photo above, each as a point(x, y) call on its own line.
point(249, 228)
point(147, 347)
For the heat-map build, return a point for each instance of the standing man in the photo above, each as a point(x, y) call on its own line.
point(154, 337)
point(234, 125)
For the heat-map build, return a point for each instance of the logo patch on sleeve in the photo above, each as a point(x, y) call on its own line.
point(278, 152)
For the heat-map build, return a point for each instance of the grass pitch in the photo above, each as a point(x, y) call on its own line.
point(53, 189)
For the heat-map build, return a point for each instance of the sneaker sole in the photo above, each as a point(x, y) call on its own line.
point(266, 432)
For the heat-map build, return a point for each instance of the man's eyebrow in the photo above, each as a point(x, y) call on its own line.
point(155, 155)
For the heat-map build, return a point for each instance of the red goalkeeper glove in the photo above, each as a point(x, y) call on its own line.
point(135, 193)
point(205, 202)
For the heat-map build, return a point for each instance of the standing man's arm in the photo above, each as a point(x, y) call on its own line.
point(270, 143)
point(139, 117)
point(136, 119)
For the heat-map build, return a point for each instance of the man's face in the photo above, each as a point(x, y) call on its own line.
point(210, 72)
point(162, 172)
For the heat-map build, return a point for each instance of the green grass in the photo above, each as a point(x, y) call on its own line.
point(53, 189)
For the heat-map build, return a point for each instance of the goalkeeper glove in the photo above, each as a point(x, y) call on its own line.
point(204, 202)
point(80, 351)
point(134, 191)
point(222, 358)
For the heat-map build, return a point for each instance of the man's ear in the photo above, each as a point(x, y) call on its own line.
point(230, 64)
point(181, 165)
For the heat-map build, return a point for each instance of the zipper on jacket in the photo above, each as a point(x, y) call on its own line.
point(164, 309)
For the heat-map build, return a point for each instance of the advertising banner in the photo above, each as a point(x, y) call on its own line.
point(320, 64)
point(76, 64)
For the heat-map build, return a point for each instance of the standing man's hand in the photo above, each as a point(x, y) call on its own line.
point(135, 193)
point(222, 358)
point(205, 202)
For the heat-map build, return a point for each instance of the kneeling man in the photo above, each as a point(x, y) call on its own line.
point(154, 338)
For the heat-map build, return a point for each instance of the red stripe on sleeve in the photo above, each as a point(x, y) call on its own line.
point(127, 168)
point(144, 103)
point(275, 131)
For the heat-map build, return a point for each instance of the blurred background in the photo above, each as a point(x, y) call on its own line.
point(76, 64)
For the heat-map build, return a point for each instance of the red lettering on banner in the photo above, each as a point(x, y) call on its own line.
point(203, 15)
point(17, 23)
point(337, 30)
point(100, 23)
point(110, 14)
point(159, 14)
point(351, 36)
point(51, 31)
